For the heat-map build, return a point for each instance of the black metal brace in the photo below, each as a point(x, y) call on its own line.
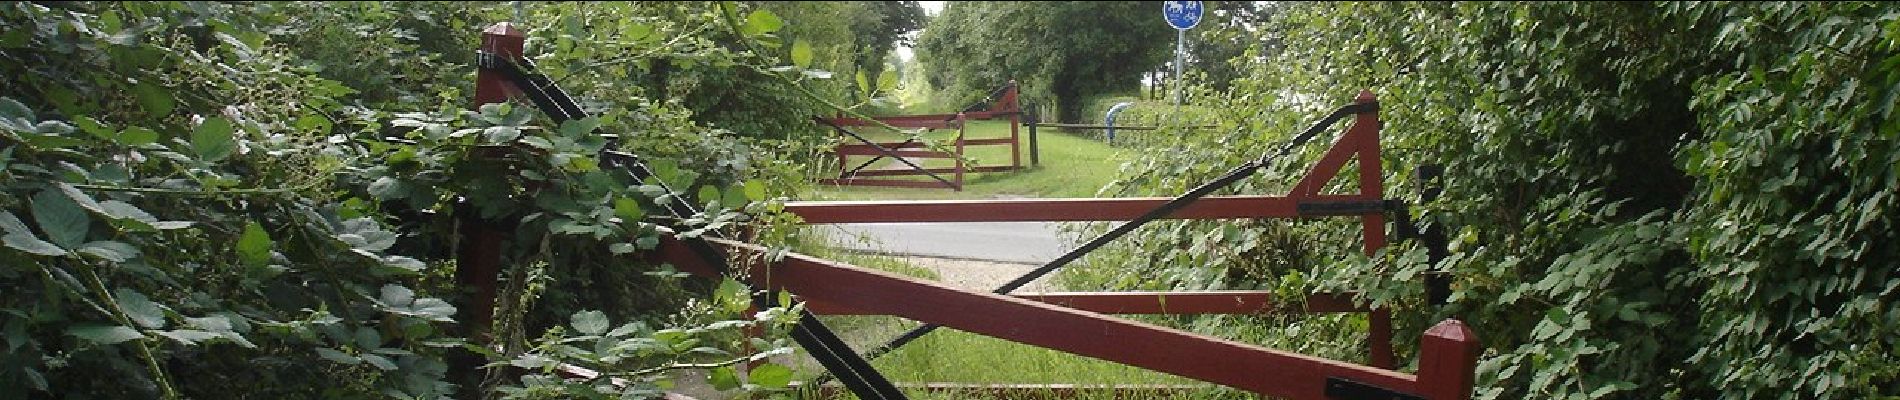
point(855, 372)
point(1437, 248)
point(1346, 389)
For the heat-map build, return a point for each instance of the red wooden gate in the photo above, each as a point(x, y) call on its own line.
point(1005, 107)
point(1077, 322)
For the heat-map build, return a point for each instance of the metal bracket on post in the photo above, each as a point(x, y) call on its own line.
point(1437, 248)
point(1345, 389)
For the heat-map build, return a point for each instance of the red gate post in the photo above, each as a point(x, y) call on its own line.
point(1372, 186)
point(1447, 361)
point(478, 257)
point(478, 262)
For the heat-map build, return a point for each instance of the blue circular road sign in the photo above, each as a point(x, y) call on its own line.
point(1181, 14)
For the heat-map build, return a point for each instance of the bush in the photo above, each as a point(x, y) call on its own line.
point(1649, 200)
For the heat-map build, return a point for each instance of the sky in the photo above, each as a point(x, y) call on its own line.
point(931, 8)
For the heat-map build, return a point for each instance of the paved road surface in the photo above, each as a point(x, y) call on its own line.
point(1011, 242)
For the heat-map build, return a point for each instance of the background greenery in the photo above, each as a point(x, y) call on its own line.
point(1648, 200)
point(233, 200)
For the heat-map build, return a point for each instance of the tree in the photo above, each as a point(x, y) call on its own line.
point(1067, 51)
point(1216, 47)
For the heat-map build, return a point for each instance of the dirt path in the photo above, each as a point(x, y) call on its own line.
point(981, 275)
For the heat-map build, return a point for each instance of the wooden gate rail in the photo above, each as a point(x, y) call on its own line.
point(1079, 209)
point(1241, 302)
point(1447, 352)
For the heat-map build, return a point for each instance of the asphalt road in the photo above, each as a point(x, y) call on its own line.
point(1010, 242)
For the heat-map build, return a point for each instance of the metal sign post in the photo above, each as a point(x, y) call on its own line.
point(1182, 15)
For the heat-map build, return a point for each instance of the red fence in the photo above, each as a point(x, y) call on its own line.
point(910, 153)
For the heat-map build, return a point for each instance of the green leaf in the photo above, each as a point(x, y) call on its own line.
point(397, 295)
point(214, 139)
point(386, 188)
point(169, 225)
point(755, 190)
point(187, 336)
point(79, 198)
point(110, 251)
point(628, 210)
point(735, 197)
point(732, 295)
point(156, 100)
point(801, 53)
point(214, 323)
point(380, 362)
point(28, 243)
point(253, 246)
point(12, 109)
point(63, 220)
point(864, 84)
point(96, 128)
point(137, 136)
point(501, 134)
point(11, 224)
point(368, 338)
point(104, 334)
point(590, 322)
point(708, 194)
point(404, 264)
point(723, 378)
point(532, 361)
point(314, 124)
point(886, 81)
point(430, 308)
point(120, 210)
point(140, 308)
point(771, 376)
point(621, 248)
point(578, 128)
point(762, 22)
point(338, 356)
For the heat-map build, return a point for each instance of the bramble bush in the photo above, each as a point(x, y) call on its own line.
point(223, 200)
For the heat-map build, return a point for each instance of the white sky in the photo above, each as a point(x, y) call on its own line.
point(931, 8)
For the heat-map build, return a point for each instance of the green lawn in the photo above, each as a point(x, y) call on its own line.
point(1071, 166)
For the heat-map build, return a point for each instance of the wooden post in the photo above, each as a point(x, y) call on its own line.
point(478, 262)
point(1447, 361)
point(963, 125)
point(1372, 185)
point(1035, 155)
point(1015, 119)
point(478, 257)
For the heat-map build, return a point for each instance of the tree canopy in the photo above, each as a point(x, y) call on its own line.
point(1062, 51)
